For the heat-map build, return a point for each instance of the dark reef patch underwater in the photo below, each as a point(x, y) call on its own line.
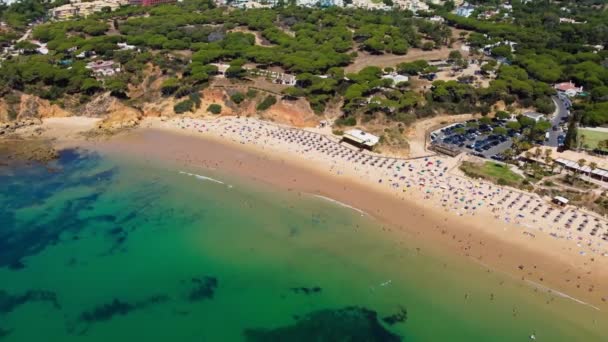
point(202, 288)
point(116, 307)
point(36, 184)
point(8, 302)
point(347, 324)
point(4, 332)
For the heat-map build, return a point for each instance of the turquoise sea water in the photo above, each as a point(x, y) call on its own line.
point(105, 249)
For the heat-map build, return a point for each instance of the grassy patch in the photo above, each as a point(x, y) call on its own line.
point(592, 137)
point(497, 173)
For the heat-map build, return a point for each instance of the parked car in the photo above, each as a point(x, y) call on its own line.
point(485, 128)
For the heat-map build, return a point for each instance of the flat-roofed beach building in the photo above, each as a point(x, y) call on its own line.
point(360, 139)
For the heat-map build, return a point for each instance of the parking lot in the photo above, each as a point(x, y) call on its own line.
point(477, 138)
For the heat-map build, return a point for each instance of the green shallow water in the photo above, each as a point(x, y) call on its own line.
point(107, 249)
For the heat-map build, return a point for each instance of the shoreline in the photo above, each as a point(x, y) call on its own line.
point(551, 263)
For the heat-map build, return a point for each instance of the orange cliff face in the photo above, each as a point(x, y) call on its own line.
point(29, 107)
point(145, 101)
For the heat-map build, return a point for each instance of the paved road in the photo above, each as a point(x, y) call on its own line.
point(562, 111)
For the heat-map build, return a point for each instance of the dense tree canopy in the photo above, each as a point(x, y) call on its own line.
point(185, 40)
point(548, 51)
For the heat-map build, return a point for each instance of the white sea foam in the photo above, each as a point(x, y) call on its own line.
point(201, 177)
point(542, 287)
point(561, 294)
point(342, 204)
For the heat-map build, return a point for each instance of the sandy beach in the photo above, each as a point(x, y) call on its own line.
point(424, 201)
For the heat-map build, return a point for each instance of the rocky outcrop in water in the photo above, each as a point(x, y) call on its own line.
point(7, 128)
point(17, 150)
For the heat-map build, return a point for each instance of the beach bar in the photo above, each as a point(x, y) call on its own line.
point(360, 139)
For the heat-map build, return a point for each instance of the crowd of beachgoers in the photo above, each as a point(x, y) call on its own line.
point(433, 179)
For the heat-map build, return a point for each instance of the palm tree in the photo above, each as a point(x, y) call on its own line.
point(592, 166)
point(581, 163)
point(581, 141)
point(548, 159)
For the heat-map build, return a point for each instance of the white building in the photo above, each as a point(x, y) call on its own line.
point(568, 88)
point(254, 4)
point(221, 68)
point(125, 46)
point(437, 19)
point(78, 8)
point(361, 139)
point(103, 68)
point(465, 10)
point(396, 78)
point(411, 5)
point(534, 116)
point(569, 21)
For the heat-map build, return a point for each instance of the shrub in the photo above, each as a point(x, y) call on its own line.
point(501, 114)
point(267, 103)
point(237, 97)
point(214, 108)
point(251, 93)
point(183, 106)
point(182, 91)
point(427, 46)
point(348, 121)
point(169, 86)
point(196, 99)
